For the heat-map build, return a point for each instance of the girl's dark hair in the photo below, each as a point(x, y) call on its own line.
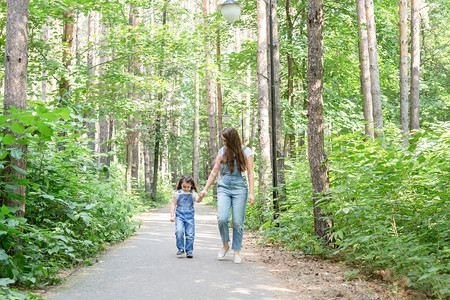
point(233, 150)
point(187, 179)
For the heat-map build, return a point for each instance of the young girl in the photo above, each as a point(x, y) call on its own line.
point(182, 213)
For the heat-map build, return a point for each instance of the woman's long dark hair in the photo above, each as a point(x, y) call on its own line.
point(233, 150)
point(187, 179)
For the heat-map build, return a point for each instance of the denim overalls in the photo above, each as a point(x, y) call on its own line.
point(232, 192)
point(184, 222)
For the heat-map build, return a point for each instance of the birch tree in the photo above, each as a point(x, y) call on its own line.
point(403, 66)
point(415, 65)
point(196, 142)
point(374, 70)
point(364, 65)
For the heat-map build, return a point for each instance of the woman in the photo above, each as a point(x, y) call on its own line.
point(232, 191)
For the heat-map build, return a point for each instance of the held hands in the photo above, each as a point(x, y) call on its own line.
point(172, 218)
point(203, 193)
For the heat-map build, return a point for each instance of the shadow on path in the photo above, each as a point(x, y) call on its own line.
point(145, 267)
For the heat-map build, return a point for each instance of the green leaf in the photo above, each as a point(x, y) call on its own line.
point(5, 281)
point(63, 113)
point(412, 147)
point(19, 170)
point(50, 116)
point(17, 127)
point(4, 211)
point(9, 139)
point(41, 110)
point(45, 129)
point(16, 153)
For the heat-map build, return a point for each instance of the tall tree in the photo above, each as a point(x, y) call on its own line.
point(403, 65)
point(133, 161)
point(196, 145)
point(89, 124)
point(218, 84)
point(415, 64)
point(67, 53)
point(290, 76)
point(318, 163)
point(15, 94)
point(277, 107)
point(374, 69)
point(364, 65)
point(263, 99)
point(208, 82)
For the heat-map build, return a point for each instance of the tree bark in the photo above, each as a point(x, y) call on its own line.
point(88, 123)
point(403, 66)
point(209, 98)
point(219, 86)
point(374, 70)
point(263, 101)
point(290, 77)
point(364, 66)
point(148, 162)
point(15, 94)
point(196, 145)
point(415, 65)
point(67, 54)
point(277, 111)
point(133, 135)
point(316, 150)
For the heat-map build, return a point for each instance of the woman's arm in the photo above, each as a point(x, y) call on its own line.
point(172, 209)
point(251, 180)
point(215, 171)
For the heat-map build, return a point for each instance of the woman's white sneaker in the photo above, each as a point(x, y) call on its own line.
point(237, 259)
point(222, 253)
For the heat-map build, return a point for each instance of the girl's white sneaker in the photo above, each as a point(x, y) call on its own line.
point(237, 259)
point(222, 253)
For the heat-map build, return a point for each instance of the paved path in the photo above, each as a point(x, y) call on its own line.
point(145, 267)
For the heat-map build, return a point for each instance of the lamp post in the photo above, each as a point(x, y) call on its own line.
point(231, 11)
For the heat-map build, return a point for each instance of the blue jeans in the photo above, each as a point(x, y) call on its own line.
point(232, 194)
point(185, 229)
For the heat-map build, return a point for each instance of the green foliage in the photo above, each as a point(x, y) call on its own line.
point(391, 205)
point(71, 210)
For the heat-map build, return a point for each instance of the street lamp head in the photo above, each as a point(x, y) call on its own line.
point(231, 10)
point(226, 117)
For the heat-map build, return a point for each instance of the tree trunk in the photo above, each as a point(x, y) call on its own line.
point(209, 98)
point(133, 160)
point(263, 101)
point(15, 94)
point(156, 153)
point(290, 77)
point(219, 86)
point(88, 123)
point(148, 163)
point(45, 71)
point(316, 150)
point(103, 132)
point(415, 65)
point(277, 110)
point(374, 70)
point(67, 54)
point(364, 66)
point(196, 145)
point(403, 66)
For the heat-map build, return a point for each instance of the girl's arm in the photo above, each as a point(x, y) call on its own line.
point(215, 171)
point(251, 179)
point(172, 209)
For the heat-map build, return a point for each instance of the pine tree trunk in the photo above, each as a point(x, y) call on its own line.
point(316, 150)
point(103, 132)
point(67, 54)
point(364, 65)
point(403, 66)
point(209, 98)
point(277, 111)
point(263, 101)
point(15, 94)
point(219, 86)
point(148, 163)
point(374, 70)
point(290, 78)
point(415, 65)
point(196, 145)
